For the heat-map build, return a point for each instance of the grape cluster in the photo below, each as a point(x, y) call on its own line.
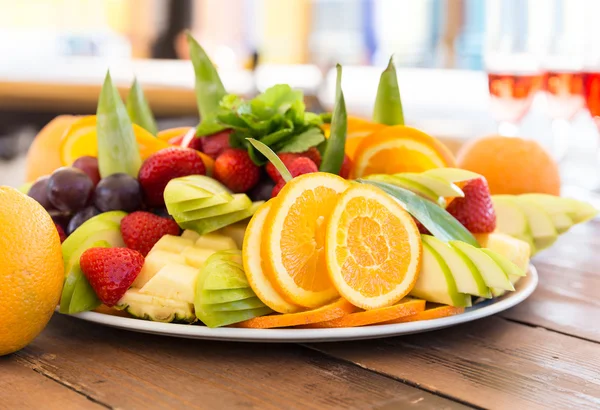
point(72, 195)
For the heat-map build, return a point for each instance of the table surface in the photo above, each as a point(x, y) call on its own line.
point(544, 353)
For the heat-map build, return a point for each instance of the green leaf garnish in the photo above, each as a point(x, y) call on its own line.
point(333, 155)
point(388, 105)
point(118, 150)
point(209, 88)
point(439, 222)
point(139, 110)
point(271, 156)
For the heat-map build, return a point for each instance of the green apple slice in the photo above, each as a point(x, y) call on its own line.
point(436, 283)
point(154, 308)
point(240, 202)
point(466, 275)
point(206, 225)
point(509, 267)
point(439, 186)
point(202, 181)
point(217, 319)
point(155, 261)
point(578, 211)
point(180, 191)
point(210, 297)
point(173, 281)
point(562, 222)
point(452, 174)
point(491, 272)
point(225, 275)
point(244, 304)
point(511, 219)
point(195, 204)
point(542, 229)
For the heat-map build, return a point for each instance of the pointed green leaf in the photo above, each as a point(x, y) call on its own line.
point(139, 110)
point(118, 150)
point(439, 222)
point(209, 88)
point(388, 106)
point(271, 156)
point(333, 156)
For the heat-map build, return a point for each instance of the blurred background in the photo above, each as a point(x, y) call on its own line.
point(467, 68)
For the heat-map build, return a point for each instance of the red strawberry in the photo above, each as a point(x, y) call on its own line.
point(163, 166)
point(475, 211)
point(314, 155)
point(299, 166)
point(111, 271)
point(236, 171)
point(346, 167)
point(287, 158)
point(61, 232)
point(141, 230)
point(212, 145)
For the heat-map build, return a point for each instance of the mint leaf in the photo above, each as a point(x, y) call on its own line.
point(302, 142)
point(388, 105)
point(139, 110)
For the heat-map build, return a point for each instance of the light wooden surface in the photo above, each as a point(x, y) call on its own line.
point(543, 354)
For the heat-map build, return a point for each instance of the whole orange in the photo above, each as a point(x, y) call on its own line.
point(31, 272)
point(511, 165)
point(44, 153)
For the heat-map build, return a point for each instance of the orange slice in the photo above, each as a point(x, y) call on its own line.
point(81, 139)
point(253, 265)
point(429, 314)
point(373, 248)
point(405, 307)
point(171, 133)
point(358, 129)
point(399, 149)
point(294, 244)
point(331, 311)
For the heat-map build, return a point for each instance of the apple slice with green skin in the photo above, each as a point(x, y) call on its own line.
point(225, 275)
point(466, 275)
point(436, 282)
point(511, 219)
point(244, 304)
point(195, 204)
point(206, 225)
point(561, 220)
point(491, 272)
point(406, 184)
point(439, 186)
point(578, 211)
point(154, 308)
point(541, 226)
point(155, 261)
point(452, 174)
point(173, 281)
point(240, 202)
point(505, 264)
point(210, 297)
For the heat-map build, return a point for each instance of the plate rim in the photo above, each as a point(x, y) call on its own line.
point(525, 288)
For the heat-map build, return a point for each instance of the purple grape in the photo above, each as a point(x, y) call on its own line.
point(69, 189)
point(262, 190)
point(118, 192)
point(80, 217)
point(89, 165)
point(39, 192)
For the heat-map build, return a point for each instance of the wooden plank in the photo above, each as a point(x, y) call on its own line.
point(22, 388)
point(491, 363)
point(130, 370)
point(567, 296)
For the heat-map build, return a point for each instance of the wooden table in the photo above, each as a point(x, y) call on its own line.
point(543, 354)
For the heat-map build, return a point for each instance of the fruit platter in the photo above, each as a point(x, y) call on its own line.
point(268, 222)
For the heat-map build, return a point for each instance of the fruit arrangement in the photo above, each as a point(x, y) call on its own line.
point(267, 216)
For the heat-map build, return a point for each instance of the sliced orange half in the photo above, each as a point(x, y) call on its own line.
point(404, 308)
point(358, 129)
point(294, 238)
point(81, 139)
point(253, 265)
point(400, 148)
point(373, 248)
point(430, 314)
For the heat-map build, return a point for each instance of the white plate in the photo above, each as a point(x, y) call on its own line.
point(524, 288)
